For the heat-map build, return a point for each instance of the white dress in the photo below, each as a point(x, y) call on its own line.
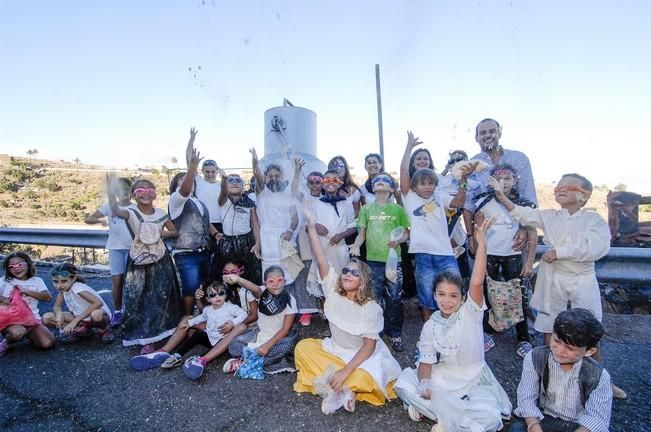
point(350, 323)
point(466, 394)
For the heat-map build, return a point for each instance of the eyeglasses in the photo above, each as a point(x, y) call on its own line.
point(17, 266)
point(570, 188)
point(234, 180)
point(144, 192)
point(209, 162)
point(234, 271)
point(354, 272)
point(272, 281)
point(62, 273)
point(332, 180)
point(213, 294)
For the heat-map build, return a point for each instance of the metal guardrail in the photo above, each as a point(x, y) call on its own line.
point(55, 237)
point(621, 265)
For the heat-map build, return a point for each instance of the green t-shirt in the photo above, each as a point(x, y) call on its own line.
point(379, 221)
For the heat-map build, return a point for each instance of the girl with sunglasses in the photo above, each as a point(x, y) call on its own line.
point(275, 336)
point(241, 228)
point(20, 272)
point(206, 329)
point(86, 309)
point(366, 370)
point(348, 188)
point(152, 302)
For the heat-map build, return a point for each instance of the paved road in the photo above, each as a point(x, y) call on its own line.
point(89, 387)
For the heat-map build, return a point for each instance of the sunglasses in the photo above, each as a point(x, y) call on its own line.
point(18, 266)
point(315, 179)
point(143, 192)
point(227, 272)
point(570, 188)
point(332, 180)
point(382, 179)
point(62, 273)
point(234, 180)
point(213, 294)
point(277, 280)
point(209, 162)
point(340, 165)
point(354, 272)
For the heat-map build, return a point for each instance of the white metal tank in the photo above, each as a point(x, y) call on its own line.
point(290, 132)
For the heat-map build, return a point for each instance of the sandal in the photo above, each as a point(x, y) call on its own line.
point(489, 342)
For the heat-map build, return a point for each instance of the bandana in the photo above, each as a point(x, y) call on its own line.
point(332, 200)
point(270, 304)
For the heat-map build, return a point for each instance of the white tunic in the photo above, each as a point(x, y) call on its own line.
point(274, 213)
point(349, 324)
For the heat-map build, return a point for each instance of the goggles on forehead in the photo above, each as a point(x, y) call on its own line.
point(382, 179)
point(570, 188)
point(144, 191)
point(332, 180)
point(62, 273)
point(17, 266)
point(209, 162)
point(234, 180)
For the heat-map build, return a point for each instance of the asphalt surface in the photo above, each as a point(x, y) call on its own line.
point(87, 386)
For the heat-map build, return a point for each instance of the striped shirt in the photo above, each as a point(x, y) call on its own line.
point(564, 397)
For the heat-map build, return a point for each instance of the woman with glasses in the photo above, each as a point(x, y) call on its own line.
point(354, 363)
point(241, 229)
point(348, 187)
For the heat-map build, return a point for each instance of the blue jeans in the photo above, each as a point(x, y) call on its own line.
point(194, 268)
point(549, 423)
point(389, 295)
point(427, 267)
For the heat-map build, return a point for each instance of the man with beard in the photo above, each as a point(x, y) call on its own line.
point(277, 214)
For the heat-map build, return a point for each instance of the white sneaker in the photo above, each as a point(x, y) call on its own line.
point(232, 365)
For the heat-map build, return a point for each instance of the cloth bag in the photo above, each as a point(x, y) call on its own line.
point(253, 366)
point(505, 299)
point(147, 246)
point(16, 312)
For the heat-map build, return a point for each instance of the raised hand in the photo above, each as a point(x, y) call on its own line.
point(354, 250)
point(299, 164)
point(254, 154)
point(193, 133)
point(195, 158)
point(480, 230)
point(496, 184)
point(412, 141)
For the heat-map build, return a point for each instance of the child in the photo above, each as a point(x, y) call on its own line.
point(562, 388)
point(453, 384)
point(119, 240)
point(86, 309)
point(348, 188)
point(375, 222)
point(430, 242)
point(275, 336)
point(577, 238)
point(240, 226)
point(152, 296)
point(504, 263)
point(20, 272)
point(365, 368)
point(222, 320)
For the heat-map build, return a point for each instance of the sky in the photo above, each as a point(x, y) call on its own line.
point(120, 83)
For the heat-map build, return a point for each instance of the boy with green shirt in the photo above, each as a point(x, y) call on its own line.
point(375, 223)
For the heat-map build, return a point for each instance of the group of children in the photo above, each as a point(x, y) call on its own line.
point(300, 243)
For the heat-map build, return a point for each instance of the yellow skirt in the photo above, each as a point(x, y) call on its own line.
point(312, 360)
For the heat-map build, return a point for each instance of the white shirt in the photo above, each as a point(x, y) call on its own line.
point(236, 219)
point(499, 238)
point(217, 317)
point(34, 283)
point(177, 204)
point(119, 236)
point(158, 214)
point(208, 193)
point(270, 325)
point(77, 304)
point(429, 227)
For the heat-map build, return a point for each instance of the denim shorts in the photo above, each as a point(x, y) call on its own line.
point(118, 261)
point(194, 270)
point(427, 267)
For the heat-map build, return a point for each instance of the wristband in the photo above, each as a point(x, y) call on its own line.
point(463, 186)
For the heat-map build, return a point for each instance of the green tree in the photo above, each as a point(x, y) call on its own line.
point(77, 161)
point(620, 187)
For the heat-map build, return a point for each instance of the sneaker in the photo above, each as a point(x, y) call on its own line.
point(232, 365)
point(414, 414)
point(523, 348)
point(332, 402)
point(147, 349)
point(4, 346)
point(618, 393)
point(193, 367)
point(148, 361)
point(172, 361)
point(118, 316)
point(66, 339)
point(349, 400)
point(489, 342)
point(106, 335)
point(396, 344)
point(305, 319)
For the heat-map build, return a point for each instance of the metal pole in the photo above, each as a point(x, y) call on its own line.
point(379, 108)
